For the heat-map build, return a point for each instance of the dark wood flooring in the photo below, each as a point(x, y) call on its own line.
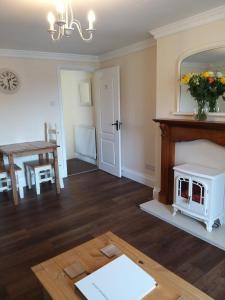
point(77, 166)
point(91, 204)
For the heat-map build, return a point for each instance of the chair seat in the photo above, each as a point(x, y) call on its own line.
point(36, 163)
point(6, 168)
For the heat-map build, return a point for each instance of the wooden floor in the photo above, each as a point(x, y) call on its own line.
point(91, 204)
point(78, 166)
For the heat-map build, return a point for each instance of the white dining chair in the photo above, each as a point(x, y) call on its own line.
point(42, 170)
point(5, 180)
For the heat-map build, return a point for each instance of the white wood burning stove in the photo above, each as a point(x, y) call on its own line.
point(199, 192)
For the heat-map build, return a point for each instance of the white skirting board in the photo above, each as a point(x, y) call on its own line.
point(85, 158)
point(192, 226)
point(145, 179)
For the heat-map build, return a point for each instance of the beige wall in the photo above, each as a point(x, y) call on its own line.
point(38, 98)
point(170, 49)
point(138, 79)
point(22, 115)
point(74, 113)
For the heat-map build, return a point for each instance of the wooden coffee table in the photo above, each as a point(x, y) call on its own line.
point(60, 287)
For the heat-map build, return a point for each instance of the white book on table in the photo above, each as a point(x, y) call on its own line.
point(120, 279)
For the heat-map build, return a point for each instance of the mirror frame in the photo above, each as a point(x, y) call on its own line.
point(180, 59)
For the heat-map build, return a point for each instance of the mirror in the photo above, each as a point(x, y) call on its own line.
point(210, 60)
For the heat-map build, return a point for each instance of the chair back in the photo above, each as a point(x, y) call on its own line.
point(51, 134)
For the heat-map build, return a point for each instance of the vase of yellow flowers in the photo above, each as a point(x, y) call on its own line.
point(205, 88)
point(200, 111)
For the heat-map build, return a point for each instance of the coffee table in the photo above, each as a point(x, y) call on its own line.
point(58, 286)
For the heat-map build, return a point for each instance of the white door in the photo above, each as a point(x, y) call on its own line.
point(107, 94)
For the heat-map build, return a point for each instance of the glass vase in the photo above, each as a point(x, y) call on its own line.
point(200, 112)
point(213, 106)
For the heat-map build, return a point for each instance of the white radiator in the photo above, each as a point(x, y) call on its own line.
point(85, 141)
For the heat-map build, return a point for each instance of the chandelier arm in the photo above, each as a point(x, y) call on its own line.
point(71, 13)
point(79, 28)
point(67, 17)
point(56, 36)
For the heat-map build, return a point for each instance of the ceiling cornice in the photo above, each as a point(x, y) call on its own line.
point(48, 55)
point(78, 57)
point(206, 17)
point(127, 50)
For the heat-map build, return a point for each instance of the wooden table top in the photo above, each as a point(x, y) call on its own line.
point(60, 287)
point(26, 147)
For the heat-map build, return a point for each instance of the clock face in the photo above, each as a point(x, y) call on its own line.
point(9, 81)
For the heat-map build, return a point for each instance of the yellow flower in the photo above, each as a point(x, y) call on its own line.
point(206, 74)
point(186, 78)
point(222, 79)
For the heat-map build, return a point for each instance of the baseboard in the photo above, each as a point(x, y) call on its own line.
point(86, 158)
point(143, 178)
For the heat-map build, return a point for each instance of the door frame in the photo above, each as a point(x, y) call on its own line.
point(62, 136)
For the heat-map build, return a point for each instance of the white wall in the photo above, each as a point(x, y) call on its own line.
point(74, 113)
point(22, 115)
point(138, 84)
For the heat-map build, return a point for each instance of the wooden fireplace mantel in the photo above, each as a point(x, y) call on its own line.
point(181, 130)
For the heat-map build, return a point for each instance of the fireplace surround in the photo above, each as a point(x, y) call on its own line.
point(181, 130)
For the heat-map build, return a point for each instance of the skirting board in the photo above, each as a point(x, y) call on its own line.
point(85, 158)
point(143, 178)
point(164, 212)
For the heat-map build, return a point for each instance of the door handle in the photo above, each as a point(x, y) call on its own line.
point(117, 124)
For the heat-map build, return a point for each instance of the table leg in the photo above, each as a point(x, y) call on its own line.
point(13, 179)
point(1, 160)
point(56, 169)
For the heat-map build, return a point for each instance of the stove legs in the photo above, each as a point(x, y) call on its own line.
point(174, 211)
point(209, 226)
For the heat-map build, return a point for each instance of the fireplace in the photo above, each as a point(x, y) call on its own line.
point(174, 131)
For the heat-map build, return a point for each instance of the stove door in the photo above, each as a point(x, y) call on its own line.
point(183, 190)
point(198, 197)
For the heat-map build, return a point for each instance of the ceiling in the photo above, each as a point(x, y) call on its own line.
point(23, 24)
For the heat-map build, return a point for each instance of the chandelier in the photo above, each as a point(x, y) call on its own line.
point(65, 23)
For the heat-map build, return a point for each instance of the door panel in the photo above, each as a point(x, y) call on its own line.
point(107, 94)
point(108, 152)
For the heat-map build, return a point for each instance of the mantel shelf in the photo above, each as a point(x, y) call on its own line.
point(192, 123)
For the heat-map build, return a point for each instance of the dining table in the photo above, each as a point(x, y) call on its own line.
point(39, 148)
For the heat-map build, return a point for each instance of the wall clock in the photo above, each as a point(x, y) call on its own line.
point(9, 81)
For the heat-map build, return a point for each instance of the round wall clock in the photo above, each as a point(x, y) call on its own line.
point(9, 81)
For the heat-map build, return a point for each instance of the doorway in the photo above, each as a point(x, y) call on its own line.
point(78, 121)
